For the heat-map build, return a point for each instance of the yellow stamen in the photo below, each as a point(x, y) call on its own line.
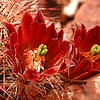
point(42, 50)
point(95, 49)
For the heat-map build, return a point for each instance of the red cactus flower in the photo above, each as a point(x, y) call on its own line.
point(86, 55)
point(36, 50)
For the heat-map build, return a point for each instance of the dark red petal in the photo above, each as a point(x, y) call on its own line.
point(26, 21)
point(87, 75)
point(53, 48)
point(58, 66)
point(41, 34)
point(79, 36)
point(66, 47)
point(34, 34)
point(31, 75)
point(13, 41)
point(46, 34)
point(39, 17)
point(57, 59)
point(38, 34)
point(60, 35)
point(63, 67)
point(52, 31)
point(22, 44)
point(83, 67)
point(96, 66)
point(16, 46)
point(10, 28)
point(82, 76)
point(20, 35)
point(48, 72)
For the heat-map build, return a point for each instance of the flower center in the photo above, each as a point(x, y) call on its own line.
point(35, 59)
point(93, 54)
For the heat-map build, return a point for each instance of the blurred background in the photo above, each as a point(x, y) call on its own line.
point(72, 11)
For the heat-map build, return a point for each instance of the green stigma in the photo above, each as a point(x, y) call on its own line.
point(42, 50)
point(95, 49)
